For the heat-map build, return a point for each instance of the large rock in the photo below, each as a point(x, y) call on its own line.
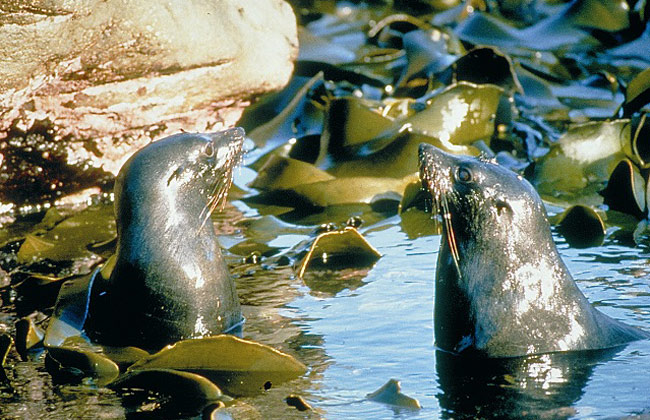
point(85, 83)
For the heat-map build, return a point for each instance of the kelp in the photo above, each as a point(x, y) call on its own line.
point(301, 117)
point(637, 93)
point(71, 365)
point(567, 27)
point(467, 102)
point(238, 366)
point(391, 393)
point(583, 159)
point(581, 227)
point(626, 190)
point(62, 239)
point(283, 173)
point(484, 66)
point(294, 184)
point(28, 336)
point(298, 402)
point(349, 122)
point(181, 393)
point(428, 53)
point(460, 115)
point(335, 249)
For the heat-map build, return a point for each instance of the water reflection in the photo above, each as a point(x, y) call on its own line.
point(539, 386)
point(327, 284)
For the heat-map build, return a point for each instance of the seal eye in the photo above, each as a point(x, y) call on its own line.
point(209, 150)
point(464, 175)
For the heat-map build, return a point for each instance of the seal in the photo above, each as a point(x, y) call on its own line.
point(501, 287)
point(170, 281)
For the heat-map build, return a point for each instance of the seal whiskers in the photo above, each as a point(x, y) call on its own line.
point(221, 186)
point(440, 206)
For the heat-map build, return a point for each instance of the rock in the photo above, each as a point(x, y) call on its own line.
point(85, 83)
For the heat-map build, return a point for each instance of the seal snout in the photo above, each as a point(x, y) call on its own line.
point(233, 138)
point(235, 133)
point(427, 156)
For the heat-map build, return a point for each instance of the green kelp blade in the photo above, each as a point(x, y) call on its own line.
point(626, 190)
point(349, 121)
point(340, 213)
point(69, 239)
point(297, 402)
point(354, 73)
point(338, 249)
point(415, 211)
point(338, 191)
point(390, 393)
point(301, 117)
point(587, 101)
point(414, 196)
point(318, 48)
point(583, 158)
point(417, 223)
point(480, 28)
point(582, 227)
point(70, 311)
point(270, 105)
point(72, 365)
point(283, 173)
point(485, 65)
point(33, 246)
point(264, 229)
point(633, 54)
point(350, 190)
point(183, 393)
point(28, 336)
point(428, 53)
point(382, 33)
point(460, 115)
point(123, 356)
point(237, 366)
point(51, 218)
point(640, 129)
point(606, 15)
point(39, 291)
point(538, 95)
point(394, 154)
point(564, 28)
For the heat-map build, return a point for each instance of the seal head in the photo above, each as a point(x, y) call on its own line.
point(170, 281)
point(501, 286)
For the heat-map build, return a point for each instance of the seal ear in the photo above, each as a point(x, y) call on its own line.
point(503, 207)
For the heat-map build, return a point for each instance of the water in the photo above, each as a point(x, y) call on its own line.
point(357, 328)
point(382, 328)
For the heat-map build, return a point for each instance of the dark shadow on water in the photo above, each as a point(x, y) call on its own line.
point(532, 387)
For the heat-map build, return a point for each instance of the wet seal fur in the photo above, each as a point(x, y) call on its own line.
point(170, 281)
point(501, 287)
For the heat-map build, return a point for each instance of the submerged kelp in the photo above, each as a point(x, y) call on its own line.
point(557, 91)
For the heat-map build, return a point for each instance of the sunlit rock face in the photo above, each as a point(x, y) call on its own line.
point(85, 83)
